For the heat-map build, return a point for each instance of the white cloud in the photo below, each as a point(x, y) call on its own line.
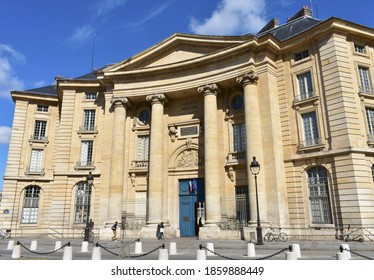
point(106, 6)
point(81, 35)
point(8, 79)
point(150, 16)
point(39, 83)
point(232, 17)
point(5, 132)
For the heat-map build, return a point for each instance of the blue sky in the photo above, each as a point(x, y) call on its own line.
point(42, 39)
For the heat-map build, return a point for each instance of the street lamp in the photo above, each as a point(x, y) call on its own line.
point(87, 229)
point(255, 169)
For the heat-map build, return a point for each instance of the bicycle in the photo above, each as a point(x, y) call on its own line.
point(271, 235)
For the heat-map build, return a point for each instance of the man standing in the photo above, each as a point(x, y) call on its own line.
point(114, 229)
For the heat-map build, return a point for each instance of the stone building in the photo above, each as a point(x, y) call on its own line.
point(169, 135)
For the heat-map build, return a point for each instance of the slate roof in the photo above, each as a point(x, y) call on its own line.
point(51, 90)
point(291, 28)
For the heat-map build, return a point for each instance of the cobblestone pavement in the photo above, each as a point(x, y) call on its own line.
point(181, 249)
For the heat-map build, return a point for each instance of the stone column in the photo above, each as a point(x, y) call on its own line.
point(212, 181)
point(253, 137)
point(156, 159)
point(119, 106)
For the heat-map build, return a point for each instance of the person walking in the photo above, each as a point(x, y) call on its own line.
point(114, 229)
point(162, 231)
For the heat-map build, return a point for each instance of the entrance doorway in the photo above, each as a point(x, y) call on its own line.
point(191, 205)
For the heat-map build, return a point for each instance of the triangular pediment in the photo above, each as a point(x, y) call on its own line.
point(176, 49)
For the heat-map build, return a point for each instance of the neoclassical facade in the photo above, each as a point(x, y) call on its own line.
point(169, 135)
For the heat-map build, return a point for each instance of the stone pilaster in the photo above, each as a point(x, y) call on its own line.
point(212, 182)
point(119, 106)
point(156, 159)
point(253, 139)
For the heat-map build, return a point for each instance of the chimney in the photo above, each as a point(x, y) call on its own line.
point(274, 23)
point(305, 11)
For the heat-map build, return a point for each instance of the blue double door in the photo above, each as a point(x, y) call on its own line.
point(191, 201)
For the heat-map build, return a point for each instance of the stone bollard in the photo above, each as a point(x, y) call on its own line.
point(163, 253)
point(342, 256)
point(58, 245)
point(68, 253)
point(296, 249)
point(96, 253)
point(346, 250)
point(84, 247)
point(34, 245)
point(10, 245)
point(16, 253)
point(200, 254)
point(291, 255)
point(251, 252)
point(210, 246)
point(138, 247)
point(173, 248)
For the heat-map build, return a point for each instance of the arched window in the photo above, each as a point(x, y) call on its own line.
point(81, 202)
point(31, 205)
point(319, 195)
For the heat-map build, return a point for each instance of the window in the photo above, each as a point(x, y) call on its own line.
point(86, 153)
point(239, 137)
point(89, 120)
point(359, 48)
point(143, 147)
point(311, 136)
point(42, 108)
point(39, 130)
point(90, 95)
point(372, 172)
point(144, 117)
point(237, 102)
point(305, 86)
point(81, 202)
point(319, 195)
point(365, 84)
point(242, 203)
point(301, 55)
point(370, 121)
point(36, 161)
point(31, 205)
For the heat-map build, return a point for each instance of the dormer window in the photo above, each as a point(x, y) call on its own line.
point(360, 48)
point(42, 108)
point(90, 95)
point(301, 55)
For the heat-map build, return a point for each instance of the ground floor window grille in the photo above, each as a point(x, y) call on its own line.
point(31, 205)
point(319, 195)
point(81, 203)
point(242, 203)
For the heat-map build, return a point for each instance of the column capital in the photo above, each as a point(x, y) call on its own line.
point(120, 101)
point(248, 78)
point(208, 89)
point(157, 98)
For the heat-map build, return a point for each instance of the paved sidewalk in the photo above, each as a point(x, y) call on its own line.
point(186, 249)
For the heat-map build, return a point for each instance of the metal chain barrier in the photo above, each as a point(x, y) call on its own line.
point(228, 258)
point(42, 253)
point(122, 255)
point(357, 254)
point(270, 256)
